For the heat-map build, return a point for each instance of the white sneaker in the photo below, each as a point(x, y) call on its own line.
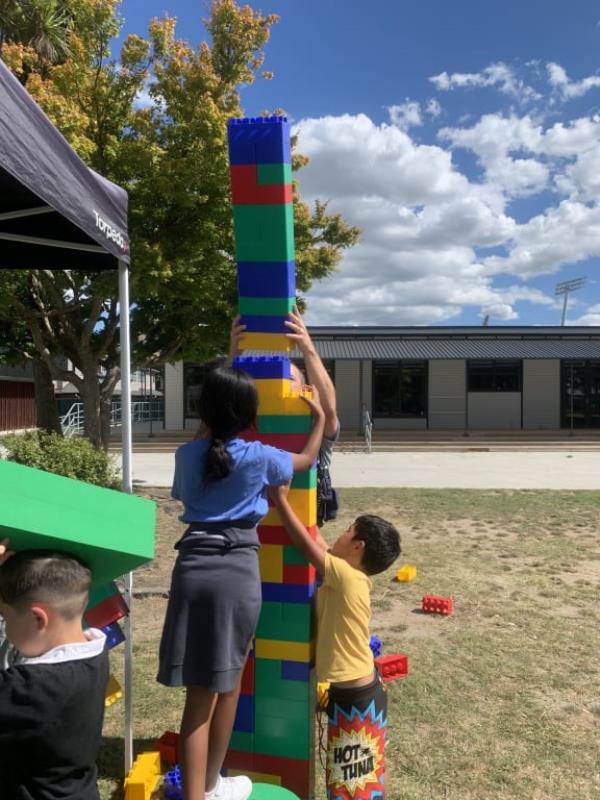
point(236, 788)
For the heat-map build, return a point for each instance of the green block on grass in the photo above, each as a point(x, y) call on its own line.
point(264, 232)
point(266, 306)
point(280, 423)
point(285, 622)
point(305, 480)
point(244, 742)
point(269, 683)
point(111, 531)
point(274, 173)
point(291, 555)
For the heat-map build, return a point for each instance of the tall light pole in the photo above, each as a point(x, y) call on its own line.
point(566, 287)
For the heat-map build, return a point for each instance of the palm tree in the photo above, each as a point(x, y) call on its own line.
point(43, 25)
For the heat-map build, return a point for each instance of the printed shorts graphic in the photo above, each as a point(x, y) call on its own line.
point(356, 752)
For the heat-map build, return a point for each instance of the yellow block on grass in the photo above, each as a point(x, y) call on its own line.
point(406, 573)
point(143, 777)
point(283, 651)
point(113, 691)
point(270, 559)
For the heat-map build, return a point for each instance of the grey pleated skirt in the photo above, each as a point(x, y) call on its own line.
point(213, 607)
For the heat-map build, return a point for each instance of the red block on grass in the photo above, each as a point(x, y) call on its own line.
point(167, 746)
point(246, 190)
point(433, 604)
point(392, 667)
point(106, 612)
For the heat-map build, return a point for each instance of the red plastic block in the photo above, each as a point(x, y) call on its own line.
point(433, 604)
point(248, 677)
point(392, 667)
point(292, 442)
point(299, 573)
point(277, 534)
point(106, 612)
point(167, 746)
point(246, 190)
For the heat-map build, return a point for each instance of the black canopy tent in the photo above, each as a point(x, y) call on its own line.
point(56, 213)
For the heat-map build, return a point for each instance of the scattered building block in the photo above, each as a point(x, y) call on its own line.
point(375, 645)
point(111, 531)
point(106, 612)
point(392, 667)
point(114, 635)
point(113, 691)
point(406, 573)
point(167, 747)
point(434, 604)
point(173, 789)
point(143, 777)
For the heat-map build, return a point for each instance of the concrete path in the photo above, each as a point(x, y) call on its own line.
point(426, 470)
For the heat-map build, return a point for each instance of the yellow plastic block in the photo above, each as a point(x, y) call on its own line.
point(270, 559)
point(113, 691)
point(273, 388)
point(256, 777)
point(323, 694)
point(304, 503)
point(292, 405)
point(266, 341)
point(283, 651)
point(143, 777)
point(406, 573)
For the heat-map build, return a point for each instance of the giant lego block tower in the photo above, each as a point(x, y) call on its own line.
point(274, 729)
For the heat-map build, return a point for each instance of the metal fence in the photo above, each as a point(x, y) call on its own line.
point(141, 411)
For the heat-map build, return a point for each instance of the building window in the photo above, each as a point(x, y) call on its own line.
point(580, 382)
point(399, 388)
point(494, 376)
point(193, 378)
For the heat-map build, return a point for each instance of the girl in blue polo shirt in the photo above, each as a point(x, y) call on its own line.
point(215, 595)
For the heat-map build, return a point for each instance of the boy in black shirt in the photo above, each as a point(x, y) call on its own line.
point(52, 702)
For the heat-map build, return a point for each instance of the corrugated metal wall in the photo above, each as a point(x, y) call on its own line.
point(17, 405)
point(447, 394)
point(541, 393)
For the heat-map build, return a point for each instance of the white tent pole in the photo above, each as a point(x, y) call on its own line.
point(86, 248)
point(27, 212)
point(127, 487)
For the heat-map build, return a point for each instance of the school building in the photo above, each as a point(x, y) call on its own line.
point(444, 378)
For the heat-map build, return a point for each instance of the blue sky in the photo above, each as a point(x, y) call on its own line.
point(462, 138)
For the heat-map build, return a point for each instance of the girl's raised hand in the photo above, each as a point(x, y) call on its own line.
point(5, 553)
point(314, 402)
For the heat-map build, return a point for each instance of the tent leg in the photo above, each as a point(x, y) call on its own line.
point(127, 487)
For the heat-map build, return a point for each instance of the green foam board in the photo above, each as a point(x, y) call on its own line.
point(111, 531)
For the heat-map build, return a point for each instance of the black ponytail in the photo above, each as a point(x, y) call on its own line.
point(228, 405)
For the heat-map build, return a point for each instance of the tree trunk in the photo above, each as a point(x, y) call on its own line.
point(92, 422)
point(45, 401)
point(105, 413)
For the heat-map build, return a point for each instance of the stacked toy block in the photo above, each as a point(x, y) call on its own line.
point(273, 733)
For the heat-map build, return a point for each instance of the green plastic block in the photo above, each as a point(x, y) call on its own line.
point(274, 173)
point(266, 306)
point(295, 711)
point(280, 423)
point(305, 480)
point(280, 736)
point(111, 531)
point(269, 683)
point(264, 232)
point(291, 555)
point(244, 742)
point(287, 622)
point(100, 593)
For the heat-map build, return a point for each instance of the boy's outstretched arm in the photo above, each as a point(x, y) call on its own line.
point(313, 549)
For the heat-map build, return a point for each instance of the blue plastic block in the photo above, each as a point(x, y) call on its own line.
point(244, 716)
point(295, 671)
point(172, 788)
point(264, 324)
point(114, 635)
point(265, 367)
point(259, 140)
point(287, 592)
point(266, 278)
point(375, 645)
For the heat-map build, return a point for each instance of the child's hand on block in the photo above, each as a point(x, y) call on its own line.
point(5, 553)
point(310, 395)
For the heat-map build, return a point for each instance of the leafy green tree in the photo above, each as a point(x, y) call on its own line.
point(155, 121)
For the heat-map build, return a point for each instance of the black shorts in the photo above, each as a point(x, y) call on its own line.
point(356, 729)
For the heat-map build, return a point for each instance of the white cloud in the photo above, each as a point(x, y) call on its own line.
point(406, 115)
point(558, 78)
point(499, 311)
point(432, 107)
point(499, 75)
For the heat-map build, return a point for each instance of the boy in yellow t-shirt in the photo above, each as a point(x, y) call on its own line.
point(357, 708)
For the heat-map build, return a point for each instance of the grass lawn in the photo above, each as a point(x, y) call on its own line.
point(503, 698)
